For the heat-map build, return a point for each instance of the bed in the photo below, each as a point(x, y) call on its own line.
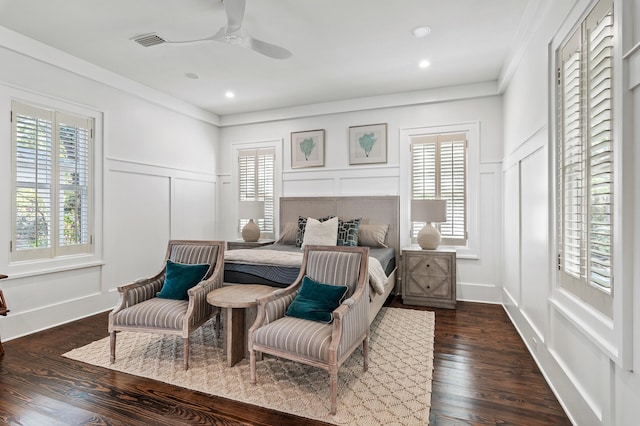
point(278, 264)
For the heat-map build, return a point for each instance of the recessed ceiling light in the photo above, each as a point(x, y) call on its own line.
point(419, 32)
point(229, 94)
point(192, 76)
point(424, 64)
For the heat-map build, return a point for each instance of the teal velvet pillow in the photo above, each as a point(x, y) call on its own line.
point(179, 278)
point(316, 301)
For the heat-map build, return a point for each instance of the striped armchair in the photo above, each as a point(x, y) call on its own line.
point(315, 343)
point(140, 310)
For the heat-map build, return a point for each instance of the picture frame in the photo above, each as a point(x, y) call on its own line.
point(368, 144)
point(307, 149)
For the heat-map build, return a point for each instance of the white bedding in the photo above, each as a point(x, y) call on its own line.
point(377, 278)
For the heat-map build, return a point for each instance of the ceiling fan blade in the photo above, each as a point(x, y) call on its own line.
point(233, 33)
point(235, 14)
point(267, 49)
point(218, 36)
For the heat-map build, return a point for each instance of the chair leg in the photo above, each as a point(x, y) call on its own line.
point(112, 347)
point(252, 365)
point(365, 352)
point(333, 379)
point(185, 350)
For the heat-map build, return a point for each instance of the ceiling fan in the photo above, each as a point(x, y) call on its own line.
point(232, 33)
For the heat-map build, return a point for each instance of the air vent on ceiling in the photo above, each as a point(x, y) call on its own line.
point(147, 40)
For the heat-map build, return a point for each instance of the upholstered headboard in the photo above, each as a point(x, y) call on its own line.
point(375, 210)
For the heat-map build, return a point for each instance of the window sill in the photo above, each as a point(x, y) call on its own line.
point(34, 268)
point(463, 252)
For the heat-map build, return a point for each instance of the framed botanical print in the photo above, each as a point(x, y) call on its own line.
point(307, 149)
point(368, 144)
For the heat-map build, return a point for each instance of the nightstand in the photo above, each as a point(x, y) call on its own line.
point(240, 244)
point(429, 277)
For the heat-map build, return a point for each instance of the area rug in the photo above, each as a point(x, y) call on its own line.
point(396, 389)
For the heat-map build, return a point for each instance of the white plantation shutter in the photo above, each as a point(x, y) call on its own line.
point(52, 199)
point(600, 140)
point(585, 150)
point(74, 135)
point(438, 170)
point(256, 168)
point(33, 134)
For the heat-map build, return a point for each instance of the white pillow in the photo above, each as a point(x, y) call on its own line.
point(321, 233)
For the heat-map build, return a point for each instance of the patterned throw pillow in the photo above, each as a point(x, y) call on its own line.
point(302, 224)
point(348, 232)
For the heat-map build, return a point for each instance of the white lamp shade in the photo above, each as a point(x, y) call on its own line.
point(429, 211)
point(251, 209)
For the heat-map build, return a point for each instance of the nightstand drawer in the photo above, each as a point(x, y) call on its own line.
point(432, 266)
point(429, 286)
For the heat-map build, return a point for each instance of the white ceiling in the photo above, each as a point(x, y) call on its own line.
point(342, 49)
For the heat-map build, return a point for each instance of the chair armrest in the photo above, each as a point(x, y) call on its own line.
point(350, 321)
point(138, 291)
point(204, 287)
point(199, 308)
point(273, 306)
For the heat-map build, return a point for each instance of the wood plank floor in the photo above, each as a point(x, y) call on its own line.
point(483, 375)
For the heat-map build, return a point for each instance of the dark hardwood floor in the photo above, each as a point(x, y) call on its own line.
point(483, 375)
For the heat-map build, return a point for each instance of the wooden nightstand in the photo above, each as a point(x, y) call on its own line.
point(429, 277)
point(240, 244)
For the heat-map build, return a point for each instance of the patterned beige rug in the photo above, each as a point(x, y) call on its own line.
point(396, 390)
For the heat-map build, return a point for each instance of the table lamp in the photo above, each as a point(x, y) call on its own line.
point(251, 210)
point(429, 211)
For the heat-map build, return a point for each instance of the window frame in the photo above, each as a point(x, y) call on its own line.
point(35, 267)
point(472, 130)
point(436, 191)
point(237, 149)
point(574, 172)
point(612, 335)
point(56, 118)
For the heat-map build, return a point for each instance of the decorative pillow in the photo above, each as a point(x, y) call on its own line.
point(348, 232)
point(289, 233)
point(316, 301)
point(302, 223)
point(320, 233)
point(180, 277)
point(372, 235)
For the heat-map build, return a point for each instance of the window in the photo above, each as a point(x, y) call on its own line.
point(438, 170)
point(585, 158)
point(52, 183)
point(256, 177)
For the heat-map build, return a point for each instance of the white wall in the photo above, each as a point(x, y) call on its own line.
point(158, 181)
point(593, 386)
point(478, 278)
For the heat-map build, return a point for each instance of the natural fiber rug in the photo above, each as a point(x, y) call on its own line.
point(396, 389)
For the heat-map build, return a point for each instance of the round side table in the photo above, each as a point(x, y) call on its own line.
point(235, 299)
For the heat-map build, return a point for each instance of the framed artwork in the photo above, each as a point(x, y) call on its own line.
point(307, 149)
point(368, 144)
